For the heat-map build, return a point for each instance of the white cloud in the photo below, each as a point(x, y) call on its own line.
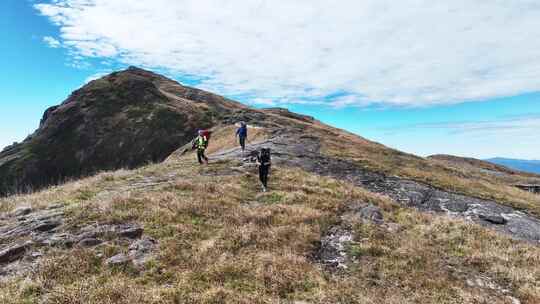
point(96, 76)
point(264, 102)
point(511, 136)
point(406, 53)
point(519, 125)
point(51, 42)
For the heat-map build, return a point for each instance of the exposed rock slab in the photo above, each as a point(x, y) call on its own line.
point(25, 235)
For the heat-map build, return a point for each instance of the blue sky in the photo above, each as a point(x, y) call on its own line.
point(460, 77)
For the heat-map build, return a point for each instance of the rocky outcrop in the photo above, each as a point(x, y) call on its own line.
point(138, 254)
point(123, 120)
point(27, 234)
point(529, 188)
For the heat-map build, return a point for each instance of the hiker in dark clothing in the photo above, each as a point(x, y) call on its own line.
point(265, 162)
point(242, 135)
point(201, 143)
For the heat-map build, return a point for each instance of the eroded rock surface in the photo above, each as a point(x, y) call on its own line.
point(26, 235)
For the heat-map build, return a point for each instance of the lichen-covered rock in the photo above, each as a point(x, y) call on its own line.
point(333, 248)
point(142, 250)
point(493, 219)
point(372, 213)
point(125, 230)
point(129, 231)
point(13, 252)
point(22, 211)
point(89, 242)
point(44, 228)
point(139, 252)
point(33, 223)
point(118, 260)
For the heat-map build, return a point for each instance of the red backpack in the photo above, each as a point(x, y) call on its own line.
point(207, 134)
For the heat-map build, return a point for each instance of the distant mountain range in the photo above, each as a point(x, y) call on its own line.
point(532, 166)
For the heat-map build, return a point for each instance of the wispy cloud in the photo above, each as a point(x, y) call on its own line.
point(96, 76)
point(51, 42)
point(398, 53)
point(519, 125)
point(263, 102)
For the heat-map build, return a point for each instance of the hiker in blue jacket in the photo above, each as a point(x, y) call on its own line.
point(242, 135)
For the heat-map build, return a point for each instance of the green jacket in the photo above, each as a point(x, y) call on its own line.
point(201, 142)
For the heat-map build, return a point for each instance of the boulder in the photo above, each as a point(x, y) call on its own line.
point(493, 219)
point(333, 248)
point(22, 211)
point(55, 206)
point(14, 252)
point(141, 251)
point(371, 213)
point(393, 227)
point(46, 226)
point(118, 260)
point(90, 242)
point(144, 245)
point(59, 240)
point(130, 231)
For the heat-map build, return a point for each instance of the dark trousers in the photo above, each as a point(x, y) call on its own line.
point(242, 140)
point(201, 157)
point(263, 174)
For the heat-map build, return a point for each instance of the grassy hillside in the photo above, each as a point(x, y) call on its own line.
point(468, 180)
point(222, 241)
point(125, 119)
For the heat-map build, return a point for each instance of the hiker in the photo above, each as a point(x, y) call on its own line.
point(201, 143)
point(242, 135)
point(264, 161)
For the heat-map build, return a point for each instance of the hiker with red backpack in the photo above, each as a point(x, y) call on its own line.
point(201, 143)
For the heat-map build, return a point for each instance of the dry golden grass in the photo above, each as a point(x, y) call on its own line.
point(221, 241)
point(225, 138)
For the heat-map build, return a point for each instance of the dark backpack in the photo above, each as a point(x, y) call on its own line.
point(265, 157)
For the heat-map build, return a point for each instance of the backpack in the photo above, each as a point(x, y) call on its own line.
point(204, 133)
point(242, 131)
point(265, 158)
point(207, 134)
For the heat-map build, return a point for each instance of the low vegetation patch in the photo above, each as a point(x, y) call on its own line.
point(222, 241)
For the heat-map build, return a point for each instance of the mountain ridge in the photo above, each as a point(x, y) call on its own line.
point(484, 164)
point(532, 166)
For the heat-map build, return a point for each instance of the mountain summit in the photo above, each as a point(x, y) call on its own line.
point(122, 120)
